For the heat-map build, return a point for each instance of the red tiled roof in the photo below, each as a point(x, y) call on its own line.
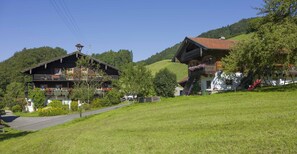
point(214, 43)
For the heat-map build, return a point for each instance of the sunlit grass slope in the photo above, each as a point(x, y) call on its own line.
point(179, 69)
point(241, 37)
point(241, 122)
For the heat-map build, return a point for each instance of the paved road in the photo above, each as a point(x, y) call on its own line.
point(37, 123)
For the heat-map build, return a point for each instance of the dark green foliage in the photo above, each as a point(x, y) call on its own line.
point(165, 83)
point(229, 31)
point(16, 108)
point(112, 98)
point(56, 104)
point(117, 59)
point(2, 105)
point(74, 106)
point(38, 97)
point(14, 94)
point(51, 111)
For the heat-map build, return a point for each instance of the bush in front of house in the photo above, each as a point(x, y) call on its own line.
point(16, 108)
point(56, 104)
point(74, 106)
point(86, 106)
point(51, 111)
point(112, 97)
point(97, 103)
point(65, 107)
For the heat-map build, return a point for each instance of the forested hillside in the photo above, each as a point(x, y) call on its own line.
point(238, 28)
point(117, 59)
point(10, 69)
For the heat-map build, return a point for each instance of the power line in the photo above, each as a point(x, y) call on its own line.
point(63, 12)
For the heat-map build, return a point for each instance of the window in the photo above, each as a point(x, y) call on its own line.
point(58, 86)
point(43, 86)
point(58, 71)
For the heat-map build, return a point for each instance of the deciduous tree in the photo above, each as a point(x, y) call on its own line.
point(165, 83)
point(136, 80)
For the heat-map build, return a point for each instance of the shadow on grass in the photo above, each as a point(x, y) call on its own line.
point(11, 134)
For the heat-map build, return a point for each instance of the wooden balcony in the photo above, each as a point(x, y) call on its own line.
point(51, 77)
point(57, 92)
point(208, 69)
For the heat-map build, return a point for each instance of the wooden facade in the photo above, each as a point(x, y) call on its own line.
point(57, 77)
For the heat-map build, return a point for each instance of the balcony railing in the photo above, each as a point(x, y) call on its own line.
point(51, 77)
point(208, 69)
point(66, 91)
point(57, 92)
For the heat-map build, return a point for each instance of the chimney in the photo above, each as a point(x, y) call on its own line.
point(79, 47)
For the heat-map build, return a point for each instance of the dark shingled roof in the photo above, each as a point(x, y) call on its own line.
point(64, 56)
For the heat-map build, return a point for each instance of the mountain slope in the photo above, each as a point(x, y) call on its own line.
point(238, 28)
point(179, 69)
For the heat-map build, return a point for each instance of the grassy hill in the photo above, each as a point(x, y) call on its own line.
point(179, 69)
point(241, 122)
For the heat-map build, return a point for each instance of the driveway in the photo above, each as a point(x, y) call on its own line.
point(37, 123)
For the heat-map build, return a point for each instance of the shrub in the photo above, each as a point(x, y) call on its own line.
point(104, 102)
point(38, 97)
point(86, 106)
point(2, 105)
point(74, 106)
point(112, 97)
point(51, 111)
point(56, 104)
point(96, 103)
point(16, 108)
point(65, 107)
point(165, 83)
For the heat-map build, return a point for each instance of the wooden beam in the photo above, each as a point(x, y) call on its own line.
point(201, 52)
point(105, 67)
point(61, 60)
point(30, 71)
point(45, 66)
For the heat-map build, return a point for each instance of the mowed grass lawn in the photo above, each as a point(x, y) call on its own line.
point(241, 122)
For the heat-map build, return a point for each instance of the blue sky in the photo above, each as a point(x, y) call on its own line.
point(143, 26)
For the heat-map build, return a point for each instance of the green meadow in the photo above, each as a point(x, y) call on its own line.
point(264, 121)
point(181, 70)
